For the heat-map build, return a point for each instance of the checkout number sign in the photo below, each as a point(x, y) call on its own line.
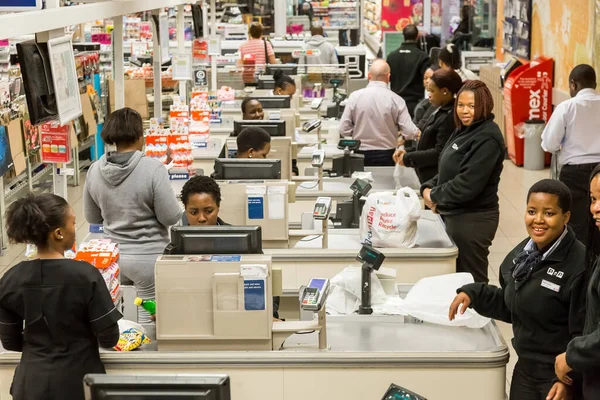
point(56, 146)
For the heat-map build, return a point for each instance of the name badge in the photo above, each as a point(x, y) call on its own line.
point(549, 285)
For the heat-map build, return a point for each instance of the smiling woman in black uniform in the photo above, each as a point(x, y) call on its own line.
point(54, 310)
point(541, 293)
point(443, 87)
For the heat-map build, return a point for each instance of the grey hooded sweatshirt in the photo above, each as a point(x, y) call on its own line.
point(328, 54)
point(131, 195)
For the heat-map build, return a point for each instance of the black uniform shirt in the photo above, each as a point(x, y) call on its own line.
point(547, 310)
point(583, 353)
point(469, 170)
point(408, 64)
point(53, 310)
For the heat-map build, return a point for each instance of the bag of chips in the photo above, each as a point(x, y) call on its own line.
point(132, 336)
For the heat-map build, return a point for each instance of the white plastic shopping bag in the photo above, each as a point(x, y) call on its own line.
point(430, 298)
point(346, 290)
point(406, 177)
point(390, 220)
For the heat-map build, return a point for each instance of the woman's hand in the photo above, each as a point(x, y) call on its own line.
point(428, 202)
point(561, 368)
point(399, 156)
point(461, 298)
point(559, 391)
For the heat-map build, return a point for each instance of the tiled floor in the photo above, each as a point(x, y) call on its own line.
point(514, 185)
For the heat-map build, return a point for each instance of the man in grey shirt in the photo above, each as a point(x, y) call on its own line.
point(377, 116)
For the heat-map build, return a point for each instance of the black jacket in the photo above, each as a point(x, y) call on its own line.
point(423, 111)
point(469, 170)
point(408, 64)
point(583, 353)
point(436, 132)
point(543, 320)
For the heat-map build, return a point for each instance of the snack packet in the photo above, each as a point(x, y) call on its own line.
point(132, 336)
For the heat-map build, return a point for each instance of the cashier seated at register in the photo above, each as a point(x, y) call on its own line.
point(201, 197)
point(541, 293)
point(252, 111)
point(253, 142)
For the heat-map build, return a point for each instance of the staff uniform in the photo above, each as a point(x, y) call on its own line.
point(466, 192)
point(375, 115)
point(572, 129)
point(55, 312)
point(434, 136)
point(423, 111)
point(583, 352)
point(131, 195)
point(545, 308)
point(408, 64)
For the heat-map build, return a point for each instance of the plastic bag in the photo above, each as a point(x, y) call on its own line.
point(406, 177)
point(430, 298)
point(346, 288)
point(390, 220)
point(132, 336)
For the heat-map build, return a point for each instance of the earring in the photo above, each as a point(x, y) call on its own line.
point(61, 237)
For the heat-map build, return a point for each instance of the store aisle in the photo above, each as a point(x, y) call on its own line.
point(515, 183)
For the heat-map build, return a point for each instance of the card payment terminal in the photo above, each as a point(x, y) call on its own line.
point(314, 295)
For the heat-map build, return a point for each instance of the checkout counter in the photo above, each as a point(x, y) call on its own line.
point(201, 305)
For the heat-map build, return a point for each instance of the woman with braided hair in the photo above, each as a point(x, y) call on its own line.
point(465, 190)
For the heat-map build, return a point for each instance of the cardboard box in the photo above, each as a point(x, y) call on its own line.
point(135, 96)
point(17, 148)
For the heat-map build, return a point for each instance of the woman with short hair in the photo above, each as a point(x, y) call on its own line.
point(465, 190)
point(131, 195)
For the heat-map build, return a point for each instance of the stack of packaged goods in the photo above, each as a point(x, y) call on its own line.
point(200, 121)
point(179, 139)
point(104, 255)
point(157, 141)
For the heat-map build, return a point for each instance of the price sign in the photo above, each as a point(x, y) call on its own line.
point(56, 146)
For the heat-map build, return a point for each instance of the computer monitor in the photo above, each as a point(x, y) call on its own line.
point(273, 127)
point(157, 387)
point(270, 102)
point(222, 239)
point(288, 69)
point(247, 168)
point(265, 83)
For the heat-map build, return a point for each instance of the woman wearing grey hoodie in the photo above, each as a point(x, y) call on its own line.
point(131, 195)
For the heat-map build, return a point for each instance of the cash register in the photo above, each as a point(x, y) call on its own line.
point(344, 165)
point(221, 275)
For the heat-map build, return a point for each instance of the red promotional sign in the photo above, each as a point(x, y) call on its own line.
point(56, 146)
point(200, 49)
point(527, 96)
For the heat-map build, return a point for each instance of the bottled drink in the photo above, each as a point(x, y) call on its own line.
point(148, 305)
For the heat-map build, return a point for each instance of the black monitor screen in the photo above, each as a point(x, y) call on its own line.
point(287, 69)
point(274, 102)
point(215, 240)
point(247, 168)
point(157, 387)
point(273, 128)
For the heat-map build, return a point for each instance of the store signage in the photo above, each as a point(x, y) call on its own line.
point(56, 146)
point(200, 76)
point(527, 96)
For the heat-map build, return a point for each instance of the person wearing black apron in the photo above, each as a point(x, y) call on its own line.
point(55, 311)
